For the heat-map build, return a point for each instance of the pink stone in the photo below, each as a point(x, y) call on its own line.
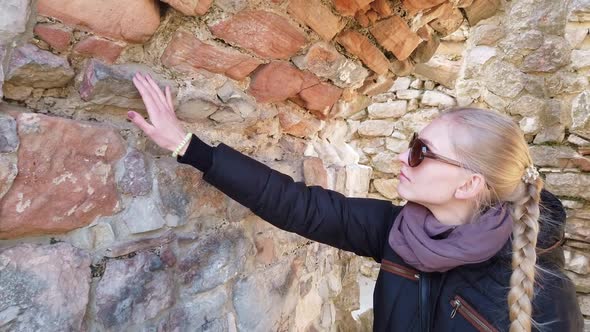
point(100, 48)
point(276, 81)
point(279, 81)
point(65, 178)
point(268, 35)
point(134, 21)
point(190, 7)
point(57, 36)
point(50, 281)
point(186, 52)
point(315, 172)
point(295, 121)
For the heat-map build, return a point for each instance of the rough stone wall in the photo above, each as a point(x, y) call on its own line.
point(321, 90)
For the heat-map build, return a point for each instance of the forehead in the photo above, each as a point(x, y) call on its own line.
point(437, 135)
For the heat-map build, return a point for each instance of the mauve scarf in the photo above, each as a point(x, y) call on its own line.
point(419, 238)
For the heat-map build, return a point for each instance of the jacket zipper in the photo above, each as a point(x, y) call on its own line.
point(400, 270)
point(462, 307)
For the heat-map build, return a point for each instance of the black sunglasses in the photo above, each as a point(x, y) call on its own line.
point(419, 150)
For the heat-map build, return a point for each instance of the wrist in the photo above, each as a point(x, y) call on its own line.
point(182, 145)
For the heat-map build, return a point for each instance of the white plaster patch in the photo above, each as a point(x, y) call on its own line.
point(22, 206)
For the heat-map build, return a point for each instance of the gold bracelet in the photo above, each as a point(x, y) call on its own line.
point(182, 144)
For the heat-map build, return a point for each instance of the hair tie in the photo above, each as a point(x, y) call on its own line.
point(530, 174)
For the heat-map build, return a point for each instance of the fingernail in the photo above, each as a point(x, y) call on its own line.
point(130, 115)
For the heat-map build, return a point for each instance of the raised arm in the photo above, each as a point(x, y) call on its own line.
point(353, 224)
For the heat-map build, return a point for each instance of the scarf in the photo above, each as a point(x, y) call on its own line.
point(430, 246)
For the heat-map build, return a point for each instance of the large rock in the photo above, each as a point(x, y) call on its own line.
point(100, 48)
point(213, 260)
point(112, 85)
point(389, 109)
point(581, 114)
point(8, 144)
point(36, 68)
point(580, 59)
point(13, 18)
point(376, 128)
point(135, 22)
point(569, 184)
point(268, 289)
point(186, 52)
point(552, 55)
point(325, 61)
point(278, 81)
point(8, 136)
point(546, 15)
point(136, 178)
point(43, 287)
point(204, 312)
point(58, 189)
point(440, 69)
point(55, 35)
point(186, 196)
point(512, 82)
point(548, 156)
point(133, 290)
point(318, 16)
point(266, 34)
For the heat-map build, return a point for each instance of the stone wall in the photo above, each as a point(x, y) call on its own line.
point(102, 230)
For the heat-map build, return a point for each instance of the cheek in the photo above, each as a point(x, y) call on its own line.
point(430, 185)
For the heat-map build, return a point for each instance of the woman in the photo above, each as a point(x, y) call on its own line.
point(472, 250)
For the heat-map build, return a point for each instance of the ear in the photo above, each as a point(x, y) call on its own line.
point(472, 186)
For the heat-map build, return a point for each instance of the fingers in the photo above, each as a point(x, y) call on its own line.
point(156, 91)
point(144, 91)
point(169, 99)
point(140, 122)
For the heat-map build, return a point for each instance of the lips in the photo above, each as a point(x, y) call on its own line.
point(404, 176)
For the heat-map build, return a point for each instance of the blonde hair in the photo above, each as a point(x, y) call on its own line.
point(493, 145)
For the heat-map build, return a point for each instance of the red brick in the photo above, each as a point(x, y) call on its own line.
point(57, 36)
point(319, 98)
point(186, 52)
point(315, 172)
point(100, 48)
point(276, 81)
point(382, 8)
point(135, 21)
point(268, 35)
point(317, 16)
point(351, 7)
point(414, 6)
point(279, 81)
point(362, 19)
point(361, 47)
point(395, 36)
point(190, 7)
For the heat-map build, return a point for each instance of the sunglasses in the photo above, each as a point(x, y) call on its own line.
point(419, 150)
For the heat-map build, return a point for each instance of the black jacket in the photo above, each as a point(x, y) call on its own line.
point(466, 298)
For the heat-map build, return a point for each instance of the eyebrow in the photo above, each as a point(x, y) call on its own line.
point(428, 143)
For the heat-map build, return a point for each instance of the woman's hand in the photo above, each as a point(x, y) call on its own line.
point(165, 129)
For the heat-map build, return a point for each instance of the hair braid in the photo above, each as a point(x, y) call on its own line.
point(525, 212)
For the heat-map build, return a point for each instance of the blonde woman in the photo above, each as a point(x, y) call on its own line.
point(476, 248)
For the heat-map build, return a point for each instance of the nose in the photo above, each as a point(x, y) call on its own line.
point(403, 157)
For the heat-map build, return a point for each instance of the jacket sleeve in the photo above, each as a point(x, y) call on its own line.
point(358, 225)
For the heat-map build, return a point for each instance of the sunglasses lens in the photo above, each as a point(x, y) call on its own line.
point(415, 156)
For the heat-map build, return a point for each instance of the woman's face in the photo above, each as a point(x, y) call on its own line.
point(433, 182)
